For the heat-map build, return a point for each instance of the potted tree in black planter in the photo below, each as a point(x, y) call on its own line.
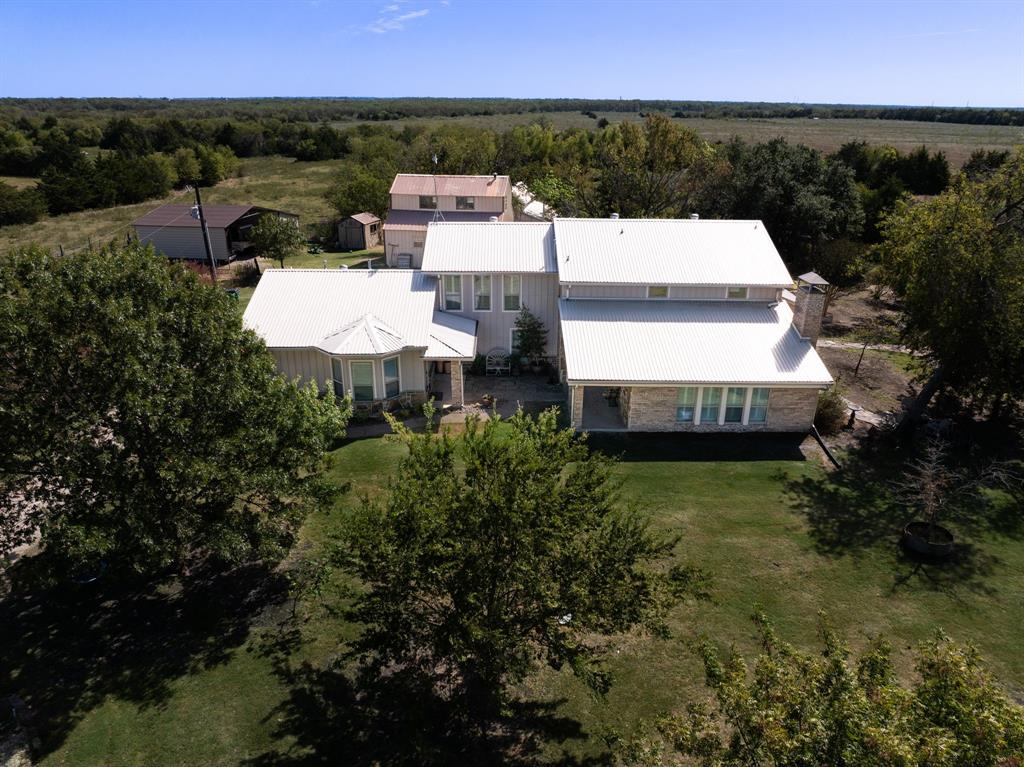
point(936, 488)
point(533, 338)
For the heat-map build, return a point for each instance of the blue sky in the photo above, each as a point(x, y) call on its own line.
point(946, 53)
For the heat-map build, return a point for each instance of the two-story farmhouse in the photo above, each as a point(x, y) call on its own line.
point(655, 325)
point(417, 200)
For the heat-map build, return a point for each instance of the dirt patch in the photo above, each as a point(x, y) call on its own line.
point(851, 311)
point(880, 385)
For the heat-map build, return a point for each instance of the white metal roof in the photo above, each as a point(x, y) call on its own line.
point(493, 246)
point(356, 312)
point(667, 252)
point(655, 342)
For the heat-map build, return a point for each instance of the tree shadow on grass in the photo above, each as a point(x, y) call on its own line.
point(68, 647)
point(335, 716)
point(855, 509)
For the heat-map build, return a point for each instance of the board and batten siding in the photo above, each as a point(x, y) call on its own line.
point(404, 241)
point(185, 241)
point(539, 293)
point(314, 365)
point(496, 205)
point(680, 292)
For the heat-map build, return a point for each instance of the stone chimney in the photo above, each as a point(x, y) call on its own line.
point(810, 306)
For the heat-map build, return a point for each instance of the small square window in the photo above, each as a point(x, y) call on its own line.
point(417, 243)
point(657, 291)
point(465, 203)
point(740, 293)
point(428, 202)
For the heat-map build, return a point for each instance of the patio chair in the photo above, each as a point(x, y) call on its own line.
point(497, 362)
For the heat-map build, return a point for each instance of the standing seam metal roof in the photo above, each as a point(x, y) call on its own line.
point(686, 342)
point(667, 252)
point(496, 246)
point(355, 312)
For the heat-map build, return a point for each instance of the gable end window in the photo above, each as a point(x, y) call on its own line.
point(511, 291)
point(481, 292)
point(428, 202)
point(465, 203)
point(740, 293)
point(657, 291)
point(453, 292)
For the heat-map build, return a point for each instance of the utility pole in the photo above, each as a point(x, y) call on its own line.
point(206, 233)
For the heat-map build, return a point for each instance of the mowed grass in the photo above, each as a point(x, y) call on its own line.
point(774, 531)
point(274, 182)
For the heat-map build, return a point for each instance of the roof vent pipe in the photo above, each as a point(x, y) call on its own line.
point(694, 216)
point(614, 216)
point(493, 219)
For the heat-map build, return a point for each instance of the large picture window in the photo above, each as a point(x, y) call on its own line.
point(686, 401)
point(482, 292)
point(391, 382)
point(362, 381)
point(734, 404)
point(512, 285)
point(710, 401)
point(453, 292)
point(758, 405)
point(339, 384)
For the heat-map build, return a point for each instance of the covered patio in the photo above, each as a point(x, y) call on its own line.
point(601, 409)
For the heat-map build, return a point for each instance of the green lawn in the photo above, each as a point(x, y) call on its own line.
point(208, 678)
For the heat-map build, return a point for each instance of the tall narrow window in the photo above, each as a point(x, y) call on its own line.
point(710, 401)
point(482, 292)
point(339, 384)
point(453, 292)
point(428, 201)
point(758, 405)
point(512, 285)
point(740, 293)
point(734, 404)
point(465, 203)
point(362, 381)
point(391, 382)
point(686, 400)
point(513, 340)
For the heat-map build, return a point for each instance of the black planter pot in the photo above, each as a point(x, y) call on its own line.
point(933, 541)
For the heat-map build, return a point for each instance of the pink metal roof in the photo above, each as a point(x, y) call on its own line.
point(462, 186)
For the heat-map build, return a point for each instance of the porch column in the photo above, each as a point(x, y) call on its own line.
point(576, 407)
point(457, 396)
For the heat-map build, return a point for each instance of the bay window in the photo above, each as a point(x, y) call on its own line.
point(362, 381)
point(339, 385)
point(391, 381)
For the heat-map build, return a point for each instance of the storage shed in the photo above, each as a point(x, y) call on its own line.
point(172, 230)
point(359, 232)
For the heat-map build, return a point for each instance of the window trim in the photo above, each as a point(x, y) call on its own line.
point(398, 377)
point(744, 297)
point(427, 197)
point(471, 204)
point(519, 294)
point(445, 292)
point(657, 298)
point(490, 292)
point(352, 378)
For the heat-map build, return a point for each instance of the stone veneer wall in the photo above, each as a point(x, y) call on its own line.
point(654, 409)
point(624, 398)
point(456, 378)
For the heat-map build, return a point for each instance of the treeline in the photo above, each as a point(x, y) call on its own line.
point(375, 109)
point(127, 169)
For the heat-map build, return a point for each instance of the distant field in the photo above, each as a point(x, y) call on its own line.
point(827, 135)
point(277, 182)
